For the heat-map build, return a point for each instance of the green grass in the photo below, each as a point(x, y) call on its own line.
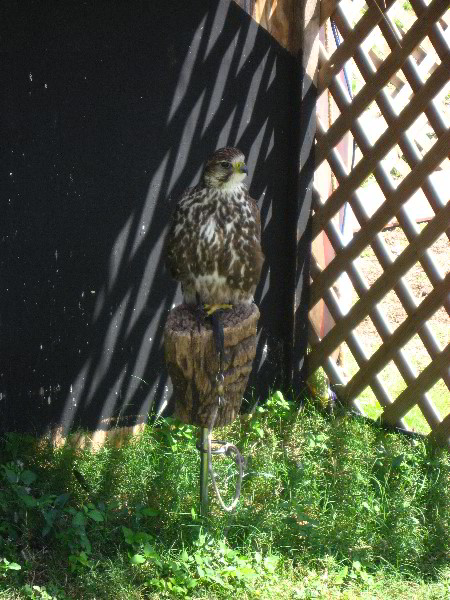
point(331, 507)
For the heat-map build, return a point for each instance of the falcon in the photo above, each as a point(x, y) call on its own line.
point(214, 242)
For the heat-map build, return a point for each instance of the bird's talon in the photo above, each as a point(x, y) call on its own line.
point(210, 309)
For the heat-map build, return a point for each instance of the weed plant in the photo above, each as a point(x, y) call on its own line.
point(331, 507)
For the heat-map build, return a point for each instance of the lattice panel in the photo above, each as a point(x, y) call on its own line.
point(399, 111)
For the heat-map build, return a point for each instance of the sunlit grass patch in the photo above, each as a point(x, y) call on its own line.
point(331, 507)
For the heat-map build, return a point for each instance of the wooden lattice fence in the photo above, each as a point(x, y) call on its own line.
point(404, 85)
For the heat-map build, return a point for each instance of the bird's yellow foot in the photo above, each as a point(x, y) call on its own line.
point(210, 309)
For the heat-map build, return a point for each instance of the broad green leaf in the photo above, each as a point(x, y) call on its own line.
point(247, 571)
point(78, 520)
point(150, 512)
point(11, 475)
point(128, 534)
point(200, 571)
point(96, 516)
point(150, 552)
point(356, 565)
point(184, 556)
point(278, 396)
point(27, 477)
point(12, 566)
point(26, 498)
point(343, 572)
point(397, 461)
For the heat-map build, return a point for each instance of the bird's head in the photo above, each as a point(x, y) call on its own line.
point(225, 169)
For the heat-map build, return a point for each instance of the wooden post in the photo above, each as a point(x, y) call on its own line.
point(307, 15)
point(295, 25)
point(193, 363)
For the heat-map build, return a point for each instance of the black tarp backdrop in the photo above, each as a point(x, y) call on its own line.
point(108, 112)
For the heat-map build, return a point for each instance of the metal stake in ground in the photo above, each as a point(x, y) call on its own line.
point(204, 472)
point(208, 383)
point(205, 434)
point(226, 448)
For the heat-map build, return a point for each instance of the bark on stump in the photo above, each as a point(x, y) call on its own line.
point(193, 363)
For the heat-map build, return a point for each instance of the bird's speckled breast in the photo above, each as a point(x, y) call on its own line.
point(217, 242)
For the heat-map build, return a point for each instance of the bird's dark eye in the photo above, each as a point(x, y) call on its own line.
point(226, 164)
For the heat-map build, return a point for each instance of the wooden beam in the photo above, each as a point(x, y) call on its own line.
point(327, 8)
point(308, 15)
point(277, 17)
point(295, 25)
point(441, 434)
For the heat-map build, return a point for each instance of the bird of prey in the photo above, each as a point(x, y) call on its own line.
point(214, 242)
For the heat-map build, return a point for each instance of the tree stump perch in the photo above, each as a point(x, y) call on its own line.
point(193, 363)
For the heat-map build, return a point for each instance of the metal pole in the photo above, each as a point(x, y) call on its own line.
point(204, 472)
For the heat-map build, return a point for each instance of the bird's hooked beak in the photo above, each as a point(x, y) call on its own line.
point(240, 167)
